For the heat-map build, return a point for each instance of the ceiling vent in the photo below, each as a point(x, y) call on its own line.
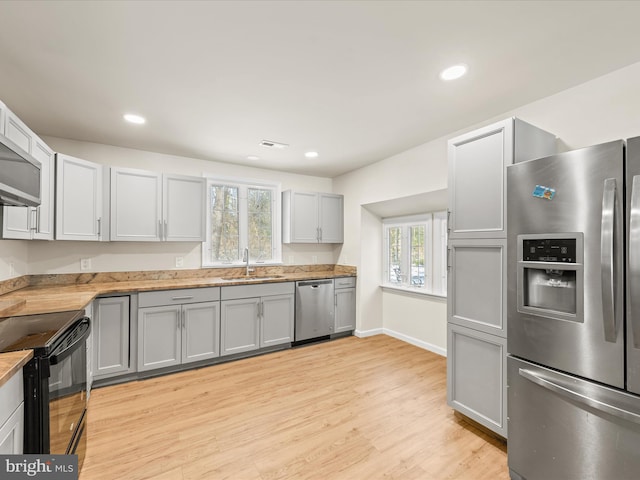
point(270, 144)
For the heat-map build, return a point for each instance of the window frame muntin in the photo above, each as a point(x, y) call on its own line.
point(243, 185)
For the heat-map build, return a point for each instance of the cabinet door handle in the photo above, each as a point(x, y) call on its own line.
point(99, 226)
point(159, 230)
point(33, 219)
point(38, 214)
point(165, 230)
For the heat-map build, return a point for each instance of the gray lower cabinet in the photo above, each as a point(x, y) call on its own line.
point(239, 326)
point(159, 337)
point(12, 416)
point(477, 376)
point(277, 320)
point(111, 335)
point(345, 304)
point(200, 331)
point(256, 316)
point(177, 327)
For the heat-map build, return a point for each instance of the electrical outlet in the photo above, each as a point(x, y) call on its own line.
point(179, 262)
point(290, 259)
point(345, 259)
point(85, 264)
point(12, 269)
point(314, 259)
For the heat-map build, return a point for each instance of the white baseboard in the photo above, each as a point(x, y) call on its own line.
point(403, 337)
point(368, 333)
point(416, 342)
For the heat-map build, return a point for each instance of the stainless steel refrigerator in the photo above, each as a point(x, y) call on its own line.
point(573, 333)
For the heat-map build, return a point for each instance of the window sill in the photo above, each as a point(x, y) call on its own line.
point(413, 291)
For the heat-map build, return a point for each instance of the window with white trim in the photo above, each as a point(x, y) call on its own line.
point(415, 253)
point(241, 215)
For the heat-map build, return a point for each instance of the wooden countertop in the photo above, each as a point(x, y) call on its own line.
point(47, 295)
point(12, 362)
point(60, 298)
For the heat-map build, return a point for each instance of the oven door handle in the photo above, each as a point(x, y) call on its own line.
point(81, 331)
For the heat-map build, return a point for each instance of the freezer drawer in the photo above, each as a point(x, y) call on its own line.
point(563, 427)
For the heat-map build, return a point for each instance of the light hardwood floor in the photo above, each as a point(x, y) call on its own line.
point(347, 409)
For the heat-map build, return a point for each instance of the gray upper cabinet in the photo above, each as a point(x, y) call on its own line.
point(30, 223)
point(177, 327)
point(312, 217)
point(152, 207)
point(80, 202)
point(477, 174)
point(111, 332)
point(183, 208)
point(136, 205)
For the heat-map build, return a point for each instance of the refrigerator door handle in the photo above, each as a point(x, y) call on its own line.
point(634, 261)
point(566, 392)
point(606, 259)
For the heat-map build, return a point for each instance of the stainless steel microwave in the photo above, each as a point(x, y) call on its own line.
point(19, 175)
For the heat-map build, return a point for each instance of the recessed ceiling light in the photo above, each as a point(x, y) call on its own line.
point(311, 154)
point(253, 157)
point(453, 72)
point(137, 119)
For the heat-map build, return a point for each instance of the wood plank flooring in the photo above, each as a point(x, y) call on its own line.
point(348, 409)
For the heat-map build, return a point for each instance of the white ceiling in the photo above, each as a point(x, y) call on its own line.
point(355, 80)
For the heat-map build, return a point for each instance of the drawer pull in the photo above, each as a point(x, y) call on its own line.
point(184, 297)
point(580, 397)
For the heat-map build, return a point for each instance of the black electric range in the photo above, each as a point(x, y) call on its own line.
point(55, 379)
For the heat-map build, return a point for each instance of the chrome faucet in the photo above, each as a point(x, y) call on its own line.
point(245, 258)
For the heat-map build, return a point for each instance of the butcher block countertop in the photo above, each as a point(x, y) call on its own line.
point(12, 362)
point(58, 293)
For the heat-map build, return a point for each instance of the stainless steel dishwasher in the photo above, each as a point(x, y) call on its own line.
point(314, 309)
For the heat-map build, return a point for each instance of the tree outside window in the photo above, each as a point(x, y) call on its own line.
point(240, 216)
point(415, 253)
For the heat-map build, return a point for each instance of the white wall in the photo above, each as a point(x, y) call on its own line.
point(13, 258)
point(603, 109)
point(64, 256)
point(416, 319)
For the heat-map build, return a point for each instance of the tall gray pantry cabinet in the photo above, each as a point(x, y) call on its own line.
point(477, 265)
